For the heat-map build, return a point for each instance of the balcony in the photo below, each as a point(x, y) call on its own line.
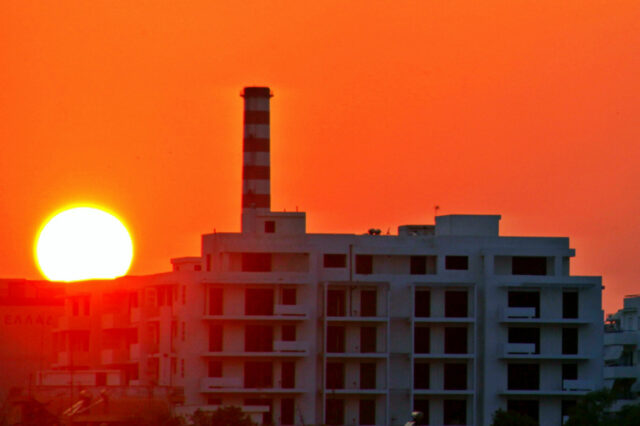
point(74, 323)
point(300, 316)
point(297, 346)
point(114, 356)
point(527, 316)
point(115, 320)
point(520, 349)
point(236, 385)
point(622, 338)
point(621, 372)
point(273, 277)
point(208, 384)
point(136, 315)
point(519, 313)
point(73, 359)
point(134, 352)
point(266, 355)
point(577, 385)
point(289, 310)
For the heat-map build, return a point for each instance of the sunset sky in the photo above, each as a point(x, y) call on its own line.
point(528, 109)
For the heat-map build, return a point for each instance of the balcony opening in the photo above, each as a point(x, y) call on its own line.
point(368, 303)
point(523, 377)
point(367, 375)
point(455, 340)
point(422, 303)
point(367, 412)
point(287, 411)
point(455, 304)
point(258, 301)
point(570, 371)
point(455, 411)
point(456, 263)
point(78, 340)
point(289, 296)
point(212, 400)
point(258, 375)
point(334, 411)
point(165, 295)
point(525, 299)
point(215, 301)
point(288, 333)
point(530, 335)
point(269, 227)
point(258, 338)
point(364, 264)
point(267, 417)
point(368, 339)
point(569, 341)
point(622, 388)
point(421, 376)
point(335, 339)
point(334, 260)
point(215, 369)
point(101, 379)
point(256, 262)
point(455, 376)
point(568, 408)
point(570, 304)
point(421, 340)
point(288, 378)
point(422, 265)
point(336, 303)
point(526, 407)
point(335, 375)
point(422, 405)
point(215, 337)
point(528, 265)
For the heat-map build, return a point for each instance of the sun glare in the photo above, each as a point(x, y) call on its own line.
point(83, 243)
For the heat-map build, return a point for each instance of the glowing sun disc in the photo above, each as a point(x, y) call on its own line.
point(83, 243)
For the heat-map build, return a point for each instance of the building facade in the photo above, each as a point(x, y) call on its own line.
point(622, 351)
point(450, 319)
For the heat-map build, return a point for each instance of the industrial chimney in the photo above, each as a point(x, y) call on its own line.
point(256, 192)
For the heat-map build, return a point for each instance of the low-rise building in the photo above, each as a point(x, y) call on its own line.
point(622, 351)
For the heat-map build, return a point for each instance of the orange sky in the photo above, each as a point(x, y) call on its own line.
point(527, 109)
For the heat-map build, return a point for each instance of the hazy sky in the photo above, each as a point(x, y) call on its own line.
point(528, 109)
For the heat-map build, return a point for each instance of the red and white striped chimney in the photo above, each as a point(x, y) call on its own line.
point(256, 172)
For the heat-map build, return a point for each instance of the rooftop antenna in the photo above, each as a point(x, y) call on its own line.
point(435, 210)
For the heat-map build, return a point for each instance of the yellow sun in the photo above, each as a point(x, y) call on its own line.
point(83, 243)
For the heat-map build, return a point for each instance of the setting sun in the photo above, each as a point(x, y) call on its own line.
point(83, 243)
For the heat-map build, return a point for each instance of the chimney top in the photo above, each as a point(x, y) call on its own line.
point(256, 92)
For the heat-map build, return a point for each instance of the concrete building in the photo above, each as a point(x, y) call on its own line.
point(451, 319)
point(622, 351)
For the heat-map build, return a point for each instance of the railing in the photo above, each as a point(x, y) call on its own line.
point(115, 320)
point(621, 372)
point(622, 337)
point(519, 313)
point(520, 348)
point(72, 359)
point(74, 323)
point(285, 346)
point(208, 383)
point(294, 310)
point(114, 356)
point(577, 385)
